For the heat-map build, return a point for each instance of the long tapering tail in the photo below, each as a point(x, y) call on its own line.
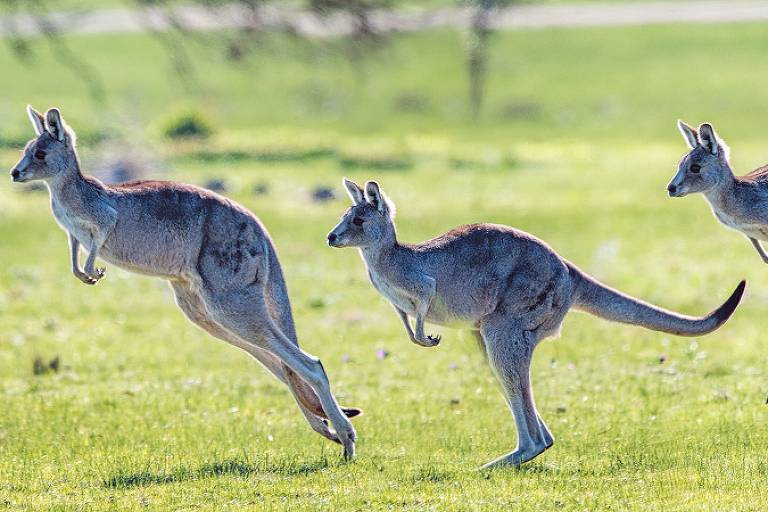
point(605, 302)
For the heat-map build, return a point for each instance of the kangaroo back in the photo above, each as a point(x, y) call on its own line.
point(606, 302)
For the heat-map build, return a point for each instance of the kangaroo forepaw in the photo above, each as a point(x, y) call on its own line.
point(429, 341)
point(97, 275)
point(87, 278)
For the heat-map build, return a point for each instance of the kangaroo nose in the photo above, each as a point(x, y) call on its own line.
point(15, 173)
point(671, 189)
point(332, 238)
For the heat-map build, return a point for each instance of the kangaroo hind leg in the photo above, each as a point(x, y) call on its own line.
point(510, 350)
point(244, 313)
point(190, 302)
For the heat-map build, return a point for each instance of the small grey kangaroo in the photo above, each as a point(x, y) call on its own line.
point(217, 256)
point(739, 202)
point(506, 286)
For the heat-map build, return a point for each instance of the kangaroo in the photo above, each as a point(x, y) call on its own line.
point(506, 286)
point(217, 256)
point(738, 202)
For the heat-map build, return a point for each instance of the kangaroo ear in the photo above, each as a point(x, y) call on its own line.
point(379, 200)
point(710, 140)
point(354, 191)
point(38, 122)
point(55, 125)
point(689, 134)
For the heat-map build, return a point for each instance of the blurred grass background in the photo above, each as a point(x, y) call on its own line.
point(575, 143)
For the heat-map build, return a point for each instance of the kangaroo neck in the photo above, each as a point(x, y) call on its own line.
point(719, 195)
point(68, 186)
point(378, 255)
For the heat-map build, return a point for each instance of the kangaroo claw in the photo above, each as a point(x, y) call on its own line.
point(94, 277)
point(85, 278)
point(429, 341)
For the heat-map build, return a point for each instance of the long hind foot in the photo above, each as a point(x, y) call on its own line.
point(517, 458)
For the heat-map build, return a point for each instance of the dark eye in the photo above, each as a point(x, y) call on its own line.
point(357, 221)
point(40, 154)
point(695, 168)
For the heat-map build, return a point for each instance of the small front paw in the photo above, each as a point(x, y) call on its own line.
point(429, 341)
point(82, 276)
point(91, 277)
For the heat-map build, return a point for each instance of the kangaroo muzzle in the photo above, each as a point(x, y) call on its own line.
point(677, 187)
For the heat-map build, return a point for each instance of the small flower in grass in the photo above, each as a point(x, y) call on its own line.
point(233, 410)
point(571, 366)
point(453, 366)
point(382, 353)
point(345, 358)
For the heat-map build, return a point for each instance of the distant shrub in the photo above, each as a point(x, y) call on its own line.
point(525, 110)
point(188, 124)
point(411, 102)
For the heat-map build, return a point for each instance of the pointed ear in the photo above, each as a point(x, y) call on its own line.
point(38, 123)
point(354, 191)
point(377, 198)
point(689, 134)
point(55, 125)
point(710, 140)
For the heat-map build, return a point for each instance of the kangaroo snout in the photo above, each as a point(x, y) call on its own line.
point(678, 190)
point(16, 175)
point(332, 239)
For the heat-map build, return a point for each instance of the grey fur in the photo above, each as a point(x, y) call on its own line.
point(508, 285)
point(217, 256)
point(738, 202)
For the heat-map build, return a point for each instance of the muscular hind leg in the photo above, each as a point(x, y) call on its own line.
point(194, 309)
point(243, 312)
point(510, 350)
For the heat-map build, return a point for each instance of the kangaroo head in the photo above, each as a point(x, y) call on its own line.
point(51, 153)
point(706, 164)
point(368, 222)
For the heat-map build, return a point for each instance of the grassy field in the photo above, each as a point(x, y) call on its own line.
point(576, 145)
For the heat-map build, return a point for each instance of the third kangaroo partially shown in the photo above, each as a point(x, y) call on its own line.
point(739, 202)
point(506, 286)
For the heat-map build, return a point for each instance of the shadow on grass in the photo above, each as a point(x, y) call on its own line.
point(233, 467)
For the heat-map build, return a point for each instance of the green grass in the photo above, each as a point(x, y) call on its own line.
point(148, 412)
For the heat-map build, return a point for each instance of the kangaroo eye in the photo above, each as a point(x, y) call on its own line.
point(695, 168)
point(40, 154)
point(357, 221)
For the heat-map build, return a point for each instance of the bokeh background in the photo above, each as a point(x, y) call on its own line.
point(110, 399)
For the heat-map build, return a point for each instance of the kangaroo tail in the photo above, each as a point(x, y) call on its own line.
point(605, 302)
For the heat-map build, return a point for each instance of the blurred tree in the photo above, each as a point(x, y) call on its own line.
point(25, 19)
point(18, 41)
point(480, 30)
point(362, 38)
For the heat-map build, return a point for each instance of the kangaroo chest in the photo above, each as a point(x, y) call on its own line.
point(757, 231)
point(391, 293)
point(70, 222)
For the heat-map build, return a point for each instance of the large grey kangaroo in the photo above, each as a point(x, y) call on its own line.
point(508, 287)
point(739, 202)
point(217, 256)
